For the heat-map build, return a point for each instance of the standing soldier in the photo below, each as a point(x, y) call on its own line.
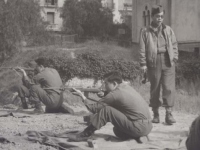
point(158, 55)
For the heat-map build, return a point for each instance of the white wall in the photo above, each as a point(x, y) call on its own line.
point(118, 7)
point(186, 20)
point(57, 19)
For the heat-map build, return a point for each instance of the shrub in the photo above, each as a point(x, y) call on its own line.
point(86, 18)
point(91, 65)
point(188, 69)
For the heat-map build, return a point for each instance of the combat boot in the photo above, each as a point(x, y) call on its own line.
point(156, 118)
point(24, 104)
point(38, 108)
point(83, 136)
point(169, 119)
point(87, 119)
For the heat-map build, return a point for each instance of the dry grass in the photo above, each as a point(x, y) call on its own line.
point(187, 103)
point(186, 99)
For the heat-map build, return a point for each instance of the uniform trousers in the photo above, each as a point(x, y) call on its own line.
point(22, 90)
point(163, 75)
point(123, 127)
point(36, 95)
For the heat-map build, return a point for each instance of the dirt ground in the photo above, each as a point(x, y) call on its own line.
point(14, 129)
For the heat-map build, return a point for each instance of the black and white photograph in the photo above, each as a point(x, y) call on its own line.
point(99, 74)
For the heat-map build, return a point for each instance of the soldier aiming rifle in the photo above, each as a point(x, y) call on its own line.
point(45, 87)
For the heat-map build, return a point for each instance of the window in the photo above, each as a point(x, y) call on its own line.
point(50, 17)
point(146, 16)
point(51, 2)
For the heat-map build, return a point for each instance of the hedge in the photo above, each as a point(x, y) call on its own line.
point(91, 65)
point(188, 69)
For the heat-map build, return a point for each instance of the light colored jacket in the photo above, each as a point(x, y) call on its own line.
point(148, 46)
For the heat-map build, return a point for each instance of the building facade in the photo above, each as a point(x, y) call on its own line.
point(50, 11)
point(182, 15)
point(122, 10)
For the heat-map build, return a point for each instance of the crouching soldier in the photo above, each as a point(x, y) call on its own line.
point(122, 106)
point(42, 88)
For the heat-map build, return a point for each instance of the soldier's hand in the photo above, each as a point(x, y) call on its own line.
point(143, 69)
point(21, 70)
point(78, 92)
point(100, 94)
point(62, 87)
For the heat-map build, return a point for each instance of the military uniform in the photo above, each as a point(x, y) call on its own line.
point(159, 52)
point(125, 109)
point(44, 88)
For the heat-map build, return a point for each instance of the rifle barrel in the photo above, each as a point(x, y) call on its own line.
point(91, 90)
point(28, 69)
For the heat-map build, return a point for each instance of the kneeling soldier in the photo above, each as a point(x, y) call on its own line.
point(122, 106)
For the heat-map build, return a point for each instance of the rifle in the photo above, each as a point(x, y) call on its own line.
point(85, 90)
point(16, 68)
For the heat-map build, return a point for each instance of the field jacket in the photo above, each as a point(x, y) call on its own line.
point(148, 46)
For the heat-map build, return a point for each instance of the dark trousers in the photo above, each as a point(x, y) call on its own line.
point(163, 75)
point(50, 99)
point(37, 95)
point(22, 91)
point(125, 128)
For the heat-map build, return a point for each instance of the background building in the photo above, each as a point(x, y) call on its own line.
point(122, 10)
point(50, 11)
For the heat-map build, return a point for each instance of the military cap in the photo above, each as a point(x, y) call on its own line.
point(156, 9)
point(32, 64)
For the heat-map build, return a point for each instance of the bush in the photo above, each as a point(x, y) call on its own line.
point(188, 68)
point(86, 18)
point(91, 65)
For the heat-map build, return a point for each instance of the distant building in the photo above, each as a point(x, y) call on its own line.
point(122, 10)
point(181, 15)
point(50, 11)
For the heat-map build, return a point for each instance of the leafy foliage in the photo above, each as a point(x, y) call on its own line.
point(20, 20)
point(86, 17)
point(188, 69)
point(91, 65)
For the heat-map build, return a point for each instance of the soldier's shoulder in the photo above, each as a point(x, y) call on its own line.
point(144, 29)
point(168, 27)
